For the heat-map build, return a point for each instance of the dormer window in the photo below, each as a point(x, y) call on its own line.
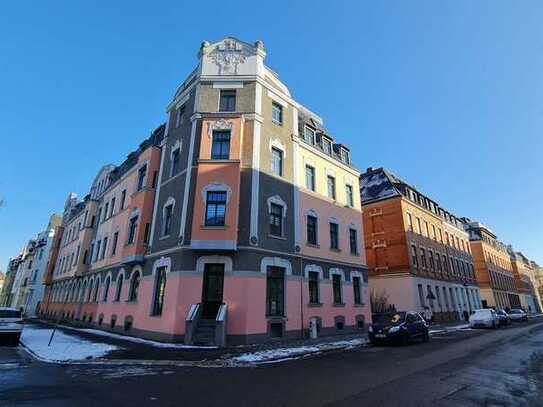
point(345, 156)
point(327, 146)
point(309, 135)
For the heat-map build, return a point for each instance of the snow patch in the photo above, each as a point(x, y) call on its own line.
point(64, 347)
point(140, 340)
point(291, 353)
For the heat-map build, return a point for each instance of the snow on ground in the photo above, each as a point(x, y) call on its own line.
point(64, 347)
point(139, 340)
point(289, 353)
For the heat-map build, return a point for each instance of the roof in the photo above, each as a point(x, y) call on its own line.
point(379, 184)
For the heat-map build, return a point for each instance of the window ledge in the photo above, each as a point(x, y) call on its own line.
point(277, 123)
point(315, 246)
point(355, 254)
point(340, 305)
point(315, 304)
point(132, 302)
point(359, 305)
point(277, 237)
point(224, 227)
point(335, 250)
point(218, 160)
point(276, 318)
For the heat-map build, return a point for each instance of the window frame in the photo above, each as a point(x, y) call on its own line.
point(277, 107)
point(216, 204)
point(227, 95)
point(220, 143)
point(276, 216)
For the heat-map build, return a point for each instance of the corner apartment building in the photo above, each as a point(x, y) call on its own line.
point(418, 252)
point(256, 225)
point(493, 267)
point(525, 281)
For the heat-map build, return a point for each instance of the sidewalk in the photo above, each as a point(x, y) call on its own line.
point(79, 344)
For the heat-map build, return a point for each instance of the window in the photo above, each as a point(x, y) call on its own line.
point(215, 208)
point(410, 222)
point(309, 135)
point(106, 210)
point(414, 258)
point(104, 248)
point(310, 177)
point(96, 288)
point(160, 289)
point(220, 148)
point(426, 229)
point(276, 220)
point(327, 146)
point(423, 258)
point(179, 117)
point(175, 162)
point(227, 100)
point(132, 229)
point(344, 154)
point(123, 198)
point(356, 289)
point(334, 244)
point(167, 220)
point(275, 291)
point(114, 246)
point(97, 254)
point(277, 113)
point(99, 218)
point(311, 230)
point(336, 283)
point(353, 241)
point(146, 233)
point(431, 258)
point(349, 195)
point(112, 207)
point(419, 225)
point(134, 286)
point(119, 287)
point(277, 161)
point(313, 284)
point(106, 289)
point(434, 235)
point(141, 177)
point(331, 181)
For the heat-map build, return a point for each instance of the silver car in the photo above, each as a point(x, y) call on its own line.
point(11, 324)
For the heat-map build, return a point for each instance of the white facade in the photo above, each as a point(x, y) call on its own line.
point(410, 293)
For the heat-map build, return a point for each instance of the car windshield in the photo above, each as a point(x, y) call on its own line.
point(9, 313)
point(482, 312)
point(393, 318)
point(515, 311)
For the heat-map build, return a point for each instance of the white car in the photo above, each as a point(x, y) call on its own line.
point(11, 324)
point(484, 318)
point(516, 314)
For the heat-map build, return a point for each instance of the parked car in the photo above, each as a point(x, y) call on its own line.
point(398, 327)
point(11, 324)
point(516, 314)
point(503, 317)
point(484, 318)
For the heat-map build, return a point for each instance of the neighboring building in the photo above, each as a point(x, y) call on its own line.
point(493, 267)
point(2, 279)
point(104, 233)
point(11, 272)
point(538, 276)
point(28, 288)
point(418, 253)
point(256, 227)
point(525, 281)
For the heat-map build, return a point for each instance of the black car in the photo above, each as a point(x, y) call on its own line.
point(398, 327)
point(503, 317)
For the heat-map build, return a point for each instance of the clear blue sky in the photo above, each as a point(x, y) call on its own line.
point(448, 94)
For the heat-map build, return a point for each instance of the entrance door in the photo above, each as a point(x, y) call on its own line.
point(212, 290)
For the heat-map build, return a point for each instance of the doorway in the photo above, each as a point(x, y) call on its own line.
point(212, 290)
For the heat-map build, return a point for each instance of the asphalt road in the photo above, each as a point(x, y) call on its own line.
point(463, 368)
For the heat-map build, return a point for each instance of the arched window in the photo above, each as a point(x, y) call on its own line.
point(106, 288)
point(119, 287)
point(96, 287)
point(160, 288)
point(82, 294)
point(89, 293)
point(134, 286)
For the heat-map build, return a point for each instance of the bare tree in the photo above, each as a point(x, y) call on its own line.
point(379, 302)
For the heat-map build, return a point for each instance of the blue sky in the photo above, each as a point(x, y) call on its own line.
point(448, 95)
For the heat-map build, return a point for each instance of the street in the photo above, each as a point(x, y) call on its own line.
point(460, 368)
